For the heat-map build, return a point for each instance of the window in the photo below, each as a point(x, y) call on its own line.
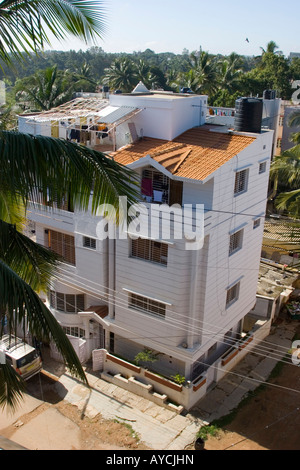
point(147, 305)
point(68, 303)
point(150, 250)
point(256, 223)
point(89, 243)
point(279, 142)
point(241, 181)
point(111, 342)
point(262, 167)
point(62, 244)
point(155, 186)
point(232, 294)
point(236, 242)
point(74, 331)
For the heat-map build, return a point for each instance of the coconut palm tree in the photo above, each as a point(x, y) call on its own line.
point(272, 48)
point(33, 167)
point(229, 73)
point(24, 25)
point(202, 76)
point(44, 90)
point(122, 74)
point(285, 173)
point(143, 72)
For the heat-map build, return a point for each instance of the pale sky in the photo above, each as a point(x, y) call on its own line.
point(217, 26)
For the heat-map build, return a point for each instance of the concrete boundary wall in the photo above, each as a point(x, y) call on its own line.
point(165, 392)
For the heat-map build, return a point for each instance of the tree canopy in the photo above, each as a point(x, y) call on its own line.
point(223, 78)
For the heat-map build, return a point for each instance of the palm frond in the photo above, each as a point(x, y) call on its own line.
point(24, 308)
point(12, 210)
point(12, 387)
point(44, 168)
point(24, 23)
point(294, 119)
point(35, 264)
point(290, 201)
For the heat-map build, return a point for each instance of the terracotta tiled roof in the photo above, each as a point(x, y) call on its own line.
point(196, 154)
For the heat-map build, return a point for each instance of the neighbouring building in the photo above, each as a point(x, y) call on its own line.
point(117, 297)
point(283, 140)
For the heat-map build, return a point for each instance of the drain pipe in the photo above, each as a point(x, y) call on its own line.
point(193, 299)
point(111, 277)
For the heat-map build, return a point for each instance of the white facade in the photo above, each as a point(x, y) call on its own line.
point(206, 293)
point(194, 285)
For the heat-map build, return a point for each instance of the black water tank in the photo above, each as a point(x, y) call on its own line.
point(248, 115)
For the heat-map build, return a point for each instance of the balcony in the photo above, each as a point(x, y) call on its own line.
point(48, 216)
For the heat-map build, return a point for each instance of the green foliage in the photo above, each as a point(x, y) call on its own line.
point(223, 78)
point(209, 430)
point(146, 356)
point(285, 173)
point(51, 87)
point(178, 379)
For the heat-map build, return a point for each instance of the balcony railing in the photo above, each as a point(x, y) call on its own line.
point(220, 111)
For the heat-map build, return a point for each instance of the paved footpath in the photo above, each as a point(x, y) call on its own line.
point(247, 375)
point(162, 429)
point(158, 428)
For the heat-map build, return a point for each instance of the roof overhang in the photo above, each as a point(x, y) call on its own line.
point(148, 160)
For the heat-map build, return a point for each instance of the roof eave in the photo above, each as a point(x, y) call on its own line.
point(148, 160)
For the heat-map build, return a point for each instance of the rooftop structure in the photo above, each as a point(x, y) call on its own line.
point(195, 154)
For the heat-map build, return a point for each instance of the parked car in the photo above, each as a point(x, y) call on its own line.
point(24, 358)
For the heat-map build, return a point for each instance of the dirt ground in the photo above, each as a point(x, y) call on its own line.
point(91, 433)
point(270, 420)
point(94, 434)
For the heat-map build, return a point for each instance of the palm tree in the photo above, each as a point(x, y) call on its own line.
point(285, 173)
point(84, 74)
point(44, 90)
point(271, 48)
point(34, 166)
point(122, 74)
point(202, 76)
point(229, 73)
point(143, 72)
point(24, 24)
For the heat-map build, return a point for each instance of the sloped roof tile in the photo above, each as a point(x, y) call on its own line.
point(196, 154)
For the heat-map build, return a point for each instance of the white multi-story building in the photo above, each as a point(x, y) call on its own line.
point(160, 293)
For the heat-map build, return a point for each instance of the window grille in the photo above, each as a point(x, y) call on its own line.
point(232, 294)
point(147, 305)
point(74, 331)
point(63, 245)
point(150, 250)
point(236, 241)
point(89, 243)
point(262, 167)
point(158, 191)
point(241, 181)
point(68, 303)
point(256, 223)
